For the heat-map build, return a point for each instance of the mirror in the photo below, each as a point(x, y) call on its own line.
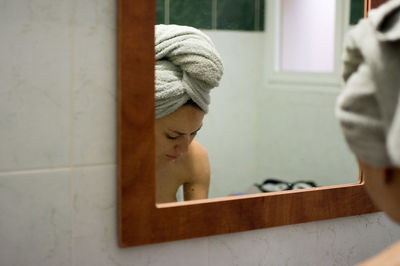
point(141, 220)
point(265, 131)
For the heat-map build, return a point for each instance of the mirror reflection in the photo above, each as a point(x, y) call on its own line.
point(187, 68)
point(232, 116)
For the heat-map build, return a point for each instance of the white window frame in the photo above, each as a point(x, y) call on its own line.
point(278, 78)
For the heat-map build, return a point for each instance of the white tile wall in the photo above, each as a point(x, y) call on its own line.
point(57, 158)
point(94, 82)
point(95, 228)
point(344, 241)
point(35, 80)
point(35, 218)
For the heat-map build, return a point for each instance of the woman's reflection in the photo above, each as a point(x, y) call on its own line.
point(187, 68)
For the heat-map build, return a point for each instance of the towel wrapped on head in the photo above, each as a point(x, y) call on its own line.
point(369, 106)
point(187, 67)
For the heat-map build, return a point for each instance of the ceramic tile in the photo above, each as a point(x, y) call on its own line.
point(191, 13)
point(160, 12)
point(94, 83)
point(47, 13)
point(95, 228)
point(94, 14)
point(262, 15)
point(344, 241)
point(55, 47)
point(35, 218)
point(35, 81)
point(356, 11)
point(237, 15)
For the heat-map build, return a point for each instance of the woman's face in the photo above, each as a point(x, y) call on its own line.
point(175, 132)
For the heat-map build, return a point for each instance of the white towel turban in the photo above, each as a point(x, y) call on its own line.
point(187, 67)
point(369, 106)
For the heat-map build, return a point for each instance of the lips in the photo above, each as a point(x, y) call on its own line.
point(172, 157)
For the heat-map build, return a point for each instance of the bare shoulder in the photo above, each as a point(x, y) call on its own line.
point(197, 174)
point(197, 155)
point(196, 161)
point(197, 150)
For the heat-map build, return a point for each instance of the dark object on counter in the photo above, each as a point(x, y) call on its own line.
point(274, 185)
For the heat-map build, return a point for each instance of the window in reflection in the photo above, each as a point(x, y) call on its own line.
point(307, 35)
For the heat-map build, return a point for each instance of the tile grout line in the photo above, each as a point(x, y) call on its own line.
point(54, 169)
point(71, 124)
point(257, 15)
point(72, 84)
point(208, 251)
point(166, 12)
point(277, 25)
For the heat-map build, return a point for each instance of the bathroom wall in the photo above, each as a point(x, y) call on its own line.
point(230, 129)
point(255, 130)
point(58, 158)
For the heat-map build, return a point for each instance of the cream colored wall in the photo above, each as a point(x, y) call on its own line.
point(58, 158)
point(230, 129)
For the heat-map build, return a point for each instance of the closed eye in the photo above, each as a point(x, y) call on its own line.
point(171, 137)
point(195, 132)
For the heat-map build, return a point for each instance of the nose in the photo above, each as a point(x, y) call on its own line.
point(183, 146)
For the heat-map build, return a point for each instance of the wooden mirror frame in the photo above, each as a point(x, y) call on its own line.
point(140, 220)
